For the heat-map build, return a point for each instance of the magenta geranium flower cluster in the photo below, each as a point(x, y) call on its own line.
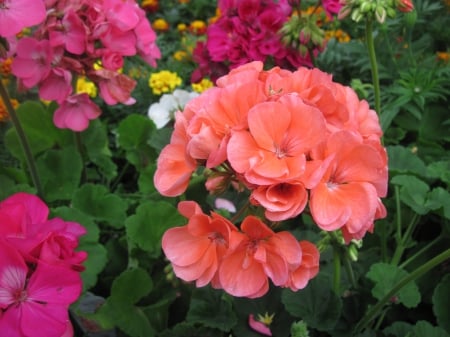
point(246, 31)
point(88, 38)
point(39, 269)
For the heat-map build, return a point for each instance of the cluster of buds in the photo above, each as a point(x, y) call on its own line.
point(303, 33)
point(380, 9)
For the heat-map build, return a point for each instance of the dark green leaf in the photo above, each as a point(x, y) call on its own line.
point(413, 192)
point(210, 308)
point(317, 304)
point(134, 131)
point(441, 308)
point(403, 160)
point(130, 286)
point(96, 201)
point(60, 173)
point(386, 276)
point(148, 225)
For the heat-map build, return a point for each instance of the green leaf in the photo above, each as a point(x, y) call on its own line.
point(128, 318)
point(72, 214)
point(398, 329)
point(38, 126)
point(423, 328)
point(60, 173)
point(441, 309)
point(402, 160)
point(185, 329)
point(96, 142)
point(96, 201)
point(130, 286)
point(413, 192)
point(147, 226)
point(433, 125)
point(210, 308)
point(386, 276)
point(440, 169)
point(145, 181)
point(134, 131)
point(438, 198)
point(317, 304)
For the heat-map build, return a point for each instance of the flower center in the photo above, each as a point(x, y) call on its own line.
point(20, 295)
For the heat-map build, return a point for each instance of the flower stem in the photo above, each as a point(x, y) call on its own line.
point(337, 271)
point(372, 313)
point(23, 140)
point(373, 64)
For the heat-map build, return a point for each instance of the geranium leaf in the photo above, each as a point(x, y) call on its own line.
point(147, 226)
point(441, 296)
point(317, 304)
point(131, 285)
point(96, 201)
point(210, 309)
point(60, 172)
point(386, 276)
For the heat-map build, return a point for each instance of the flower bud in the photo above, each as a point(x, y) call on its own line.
point(405, 6)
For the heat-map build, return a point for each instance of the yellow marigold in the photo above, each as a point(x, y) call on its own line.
point(160, 25)
point(164, 81)
point(443, 56)
point(5, 67)
point(86, 86)
point(202, 85)
point(181, 27)
point(4, 115)
point(198, 27)
point(181, 55)
point(150, 5)
point(338, 34)
point(215, 17)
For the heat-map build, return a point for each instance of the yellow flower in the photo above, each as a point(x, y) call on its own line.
point(163, 81)
point(86, 86)
point(181, 55)
point(4, 115)
point(197, 27)
point(183, 1)
point(5, 66)
point(202, 85)
point(443, 56)
point(160, 25)
point(181, 27)
point(338, 34)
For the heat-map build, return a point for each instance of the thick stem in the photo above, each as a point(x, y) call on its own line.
point(373, 312)
point(23, 140)
point(373, 64)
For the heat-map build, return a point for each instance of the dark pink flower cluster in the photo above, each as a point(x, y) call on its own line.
point(75, 36)
point(39, 269)
point(247, 30)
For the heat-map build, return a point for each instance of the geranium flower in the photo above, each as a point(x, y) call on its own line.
point(195, 250)
point(256, 254)
point(163, 111)
point(32, 63)
point(308, 269)
point(76, 112)
point(280, 134)
point(349, 192)
point(15, 15)
point(34, 298)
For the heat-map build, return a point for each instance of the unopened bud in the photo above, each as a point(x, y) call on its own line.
point(380, 14)
point(405, 6)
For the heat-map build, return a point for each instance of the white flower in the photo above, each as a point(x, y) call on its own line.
point(163, 111)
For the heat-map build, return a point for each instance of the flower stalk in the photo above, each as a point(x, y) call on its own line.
point(373, 64)
point(23, 140)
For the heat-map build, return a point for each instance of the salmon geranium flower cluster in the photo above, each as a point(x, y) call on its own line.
point(294, 140)
point(210, 249)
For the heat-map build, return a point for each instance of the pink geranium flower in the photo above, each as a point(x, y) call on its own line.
point(18, 14)
point(70, 33)
point(76, 112)
point(32, 63)
point(38, 298)
point(57, 85)
point(115, 87)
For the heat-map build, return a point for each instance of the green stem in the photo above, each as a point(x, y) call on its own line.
point(373, 311)
point(80, 148)
point(403, 240)
point(373, 63)
point(337, 271)
point(420, 252)
point(349, 270)
point(23, 140)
